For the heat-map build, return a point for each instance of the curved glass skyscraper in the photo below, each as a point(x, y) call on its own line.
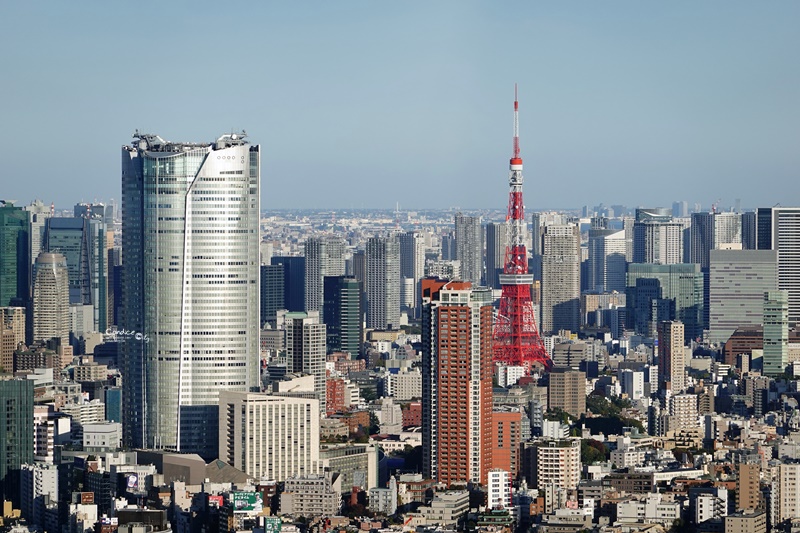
point(190, 216)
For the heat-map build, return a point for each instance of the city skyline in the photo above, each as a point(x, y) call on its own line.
point(379, 102)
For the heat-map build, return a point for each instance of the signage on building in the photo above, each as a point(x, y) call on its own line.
point(247, 502)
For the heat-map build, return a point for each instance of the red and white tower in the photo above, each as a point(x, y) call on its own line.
point(516, 338)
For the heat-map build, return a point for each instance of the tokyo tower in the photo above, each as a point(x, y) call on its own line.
point(516, 338)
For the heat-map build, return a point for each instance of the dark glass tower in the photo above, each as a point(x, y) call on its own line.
point(342, 314)
point(16, 433)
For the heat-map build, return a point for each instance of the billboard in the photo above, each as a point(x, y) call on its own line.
point(247, 502)
point(215, 500)
point(272, 524)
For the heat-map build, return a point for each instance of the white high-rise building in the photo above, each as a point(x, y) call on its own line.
point(633, 384)
point(383, 283)
point(557, 463)
point(324, 257)
point(190, 242)
point(51, 298)
point(38, 490)
point(469, 248)
point(779, 229)
point(269, 437)
point(39, 215)
point(607, 262)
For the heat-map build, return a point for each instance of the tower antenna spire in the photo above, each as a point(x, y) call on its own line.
point(516, 339)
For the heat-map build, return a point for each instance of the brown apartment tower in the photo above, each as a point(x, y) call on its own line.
point(456, 382)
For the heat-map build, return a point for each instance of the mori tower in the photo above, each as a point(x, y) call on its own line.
point(190, 324)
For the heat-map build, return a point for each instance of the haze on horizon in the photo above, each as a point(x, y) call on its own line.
point(364, 105)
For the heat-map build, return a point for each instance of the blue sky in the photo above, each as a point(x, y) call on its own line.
point(365, 104)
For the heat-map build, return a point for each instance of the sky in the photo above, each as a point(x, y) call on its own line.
point(374, 104)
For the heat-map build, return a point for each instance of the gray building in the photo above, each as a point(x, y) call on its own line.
point(657, 238)
point(738, 280)
point(324, 257)
point(469, 248)
point(496, 243)
point(561, 278)
point(776, 332)
point(383, 282)
point(190, 243)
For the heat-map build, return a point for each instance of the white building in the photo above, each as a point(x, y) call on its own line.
point(499, 489)
point(509, 375)
point(38, 489)
point(269, 437)
point(405, 385)
point(382, 500)
point(102, 437)
point(633, 384)
point(653, 509)
point(558, 463)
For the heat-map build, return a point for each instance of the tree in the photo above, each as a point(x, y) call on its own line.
point(592, 451)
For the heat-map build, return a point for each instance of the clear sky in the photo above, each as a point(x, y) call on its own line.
point(365, 104)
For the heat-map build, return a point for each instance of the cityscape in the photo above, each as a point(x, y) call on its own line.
point(207, 347)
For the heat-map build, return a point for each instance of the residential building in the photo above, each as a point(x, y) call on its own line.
point(38, 491)
point(507, 435)
point(551, 462)
point(456, 381)
point(567, 391)
point(657, 238)
point(312, 495)
point(469, 248)
point(498, 489)
point(269, 437)
point(305, 346)
point(671, 356)
point(190, 242)
point(383, 283)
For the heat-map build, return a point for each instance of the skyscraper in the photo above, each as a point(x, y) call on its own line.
point(343, 314)
point(16, 433)
point(657, 238)
point(305, 346)
point(776, 332)
point(12, 332)
point(294, 285)
point(273, 293)
point(190, 217)
point(607, 264)
point(15, 265)
point(51, 298)
point(561, 278)
point(456, 382)
point(412, 260)
point(383, 283)
point(469, 247)
point(671, 357)
point(496, 243)
point(39, 213)
point(782, 225)
point(324, 257)
point(82, 241)
point(738, 280)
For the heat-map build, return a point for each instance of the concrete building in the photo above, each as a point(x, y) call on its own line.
point(324, 257)
point(383, 283)
point(785, 493)
point(384, 500)
point(312, 495)
point(12, 333)
point(38, 490)
point(746, 522)
point(633, 384)
point(561, 278)
point(412, 262)
point(779, 229)
point(102, 437)
point(356, 464)
point(671, 357)
point(607, 265)
point(776, 332)
point(555, 463)
point(456, 381)
point(404, 385)
point(652, 509)
point(305, 346)
point(657, 238)
point(269, 437)
point(748, 487)
point(190, 242)
point(51, 298)
point(498, 490)
point(567, 391)
point(738, 280)
point(507, 429)
point(469, 248)
point(446, 508)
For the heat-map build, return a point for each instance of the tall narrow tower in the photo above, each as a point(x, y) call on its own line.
point(516, 338)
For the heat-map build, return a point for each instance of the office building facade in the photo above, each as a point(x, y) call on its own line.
point(469, 248)
point(776, 332)
point(324, 257)
point(15, 263)
point(190, 216)
point(343, 314)
point(51, 298)
point(657, 238)
point(305, 346)
point(496, 243)
point(561, 278)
